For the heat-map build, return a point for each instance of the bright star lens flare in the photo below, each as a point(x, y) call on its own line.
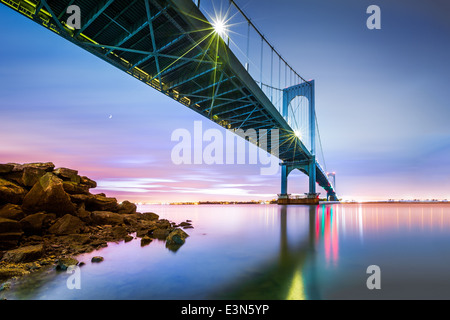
point(298, 134)
point(220, 27)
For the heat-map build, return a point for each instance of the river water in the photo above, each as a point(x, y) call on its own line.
point(271, 252)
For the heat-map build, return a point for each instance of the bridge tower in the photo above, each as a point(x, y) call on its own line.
point(307, 90)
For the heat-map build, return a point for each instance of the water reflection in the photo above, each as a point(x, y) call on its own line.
point(326, 228)
point(283, 278)
point(397, 237)
point(274, 252)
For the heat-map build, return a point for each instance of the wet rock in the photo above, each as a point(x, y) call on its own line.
point(65, 262)
point(97, 259)
point(48, 195)
point(11, 192)
point(163, 224)
point(160, 234)
point(67, 225)
point(106, 218)
point(80, 239)
point(145, 241)
point(131, 220)
point(12, 212)
point(119, 232)
point(177, 237)
point(150, 216)
point(37, 223)
point(24, 254)
point(5, 286)
point(127, 207)
point(146, 228)
point(128, 238)
point(185, 224)
point(7, 273)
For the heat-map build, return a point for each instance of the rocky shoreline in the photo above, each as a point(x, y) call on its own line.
point(48, 216)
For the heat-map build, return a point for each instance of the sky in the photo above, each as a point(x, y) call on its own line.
point(381, 102)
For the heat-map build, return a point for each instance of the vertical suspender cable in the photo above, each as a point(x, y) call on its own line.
point(262, 57)
point(271, 77)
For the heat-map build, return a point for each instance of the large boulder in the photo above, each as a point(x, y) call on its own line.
point(36, 224)
point(75, 188)
point(11, 192)
point(100, 202)
point(106, 218)
point(10, 233)
point(67, 225)
point(48, 195)
point(163, 224)
point(12, 212)
point(83, 214)
point(147, 228)
point(150, 216)
point(67, 174)
point(6, 168)
point(177, 237)
point(160, 234)
point(24, 254)
point(46, 166)
point(127, 207)
point(119, 232)
point(81, 198)
point(7, 225)
point(65, 262)
point(90, 183)
point(31, 175)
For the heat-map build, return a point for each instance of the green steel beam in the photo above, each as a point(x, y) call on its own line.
point(191, 78)
point(94, 15)
point(136, 29)
point(152, 35)
point(158, 51)
point(114, 20)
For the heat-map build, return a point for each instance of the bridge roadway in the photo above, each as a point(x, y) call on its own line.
point(171, 46)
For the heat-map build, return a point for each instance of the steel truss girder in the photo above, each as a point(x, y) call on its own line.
point(217, 96)
point(158, 51)
point(94, 15)
point(174, 66)
point(136, 29)
point(114, 19)
point(191, 78)
point(54, 17)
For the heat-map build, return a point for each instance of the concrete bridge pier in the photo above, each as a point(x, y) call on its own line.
point(307, 167)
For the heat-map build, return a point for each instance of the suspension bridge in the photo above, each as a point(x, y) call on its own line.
point(209, 56)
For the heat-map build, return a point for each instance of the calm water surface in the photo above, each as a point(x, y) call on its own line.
point(271, 252)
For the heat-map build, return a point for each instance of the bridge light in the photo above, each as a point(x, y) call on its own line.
point(298, 134)
point(220, 27)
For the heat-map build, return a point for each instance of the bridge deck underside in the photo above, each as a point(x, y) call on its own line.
point(170, 46)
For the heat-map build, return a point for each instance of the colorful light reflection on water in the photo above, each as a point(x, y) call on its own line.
point(272, 252)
